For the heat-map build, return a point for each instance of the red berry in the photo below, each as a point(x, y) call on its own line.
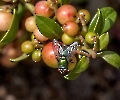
point(49, 56)
point(71, 28)
point(66, 13)
point(43, 8)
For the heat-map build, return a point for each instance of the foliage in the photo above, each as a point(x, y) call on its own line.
point(100, 24)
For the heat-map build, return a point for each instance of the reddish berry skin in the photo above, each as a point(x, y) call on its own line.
point(39, 36)
point(43, 8)
point(49, 56)
point(66, 13)
point(5, 20)
point(71, 28)
point(30, 24)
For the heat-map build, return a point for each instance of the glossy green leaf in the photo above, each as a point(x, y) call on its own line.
point(48, 27)
point(20, 10)
point(82, 65)
point(71, 76)
point(10, 35)
point(97, 23)
point(103, 41)
point(110, 16)
point(62, 2)
point(22, 57)
point(111, 57)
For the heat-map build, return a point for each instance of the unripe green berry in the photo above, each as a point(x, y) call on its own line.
point(67, 40)
point(89, 37)
point(27, 47)
point(86, 14)
point(36, 55)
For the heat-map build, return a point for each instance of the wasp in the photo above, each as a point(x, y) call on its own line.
point(64, 54)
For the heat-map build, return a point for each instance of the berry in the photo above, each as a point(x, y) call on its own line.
point(66, 13)
point(30, 24)
point(36, 55)
point(85, 13)
point(49, 56)
point(5, 20)
point(89, 37)
point(42, 8)
point(67, 40)
point(71, 28)
point(27, 47)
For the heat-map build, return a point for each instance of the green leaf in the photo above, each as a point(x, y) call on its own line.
point(111, 57)
point(82, 65)
point(71, 76)
point(22, 57)
point(97, 23)
point(110, 16)
point(103, 41)
point(48, 27)
point(10, 35)
point(62, 2)
point(20, 11)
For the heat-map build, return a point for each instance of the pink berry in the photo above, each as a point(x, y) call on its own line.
point(71, 28)
point(42, 8)
point(66, 13)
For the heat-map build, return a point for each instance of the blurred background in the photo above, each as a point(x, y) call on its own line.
point(28, 80)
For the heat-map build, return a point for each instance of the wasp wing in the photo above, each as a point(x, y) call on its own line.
point(57, 48)
point(70, 50)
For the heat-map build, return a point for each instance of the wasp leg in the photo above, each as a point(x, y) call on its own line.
point(81, 52)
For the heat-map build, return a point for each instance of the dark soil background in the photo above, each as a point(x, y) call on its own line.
point(35, 81)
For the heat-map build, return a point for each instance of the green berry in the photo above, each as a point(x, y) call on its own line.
point(36, 55)
point(27, 47)
point(86, 14)
point(89, 37)
point(67, 40)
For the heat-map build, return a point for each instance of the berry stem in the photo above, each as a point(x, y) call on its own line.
point(6, 8)
point(87, 52)
point(84, 27)
point(85, 49)
point(54, 5)
point(29, 6)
